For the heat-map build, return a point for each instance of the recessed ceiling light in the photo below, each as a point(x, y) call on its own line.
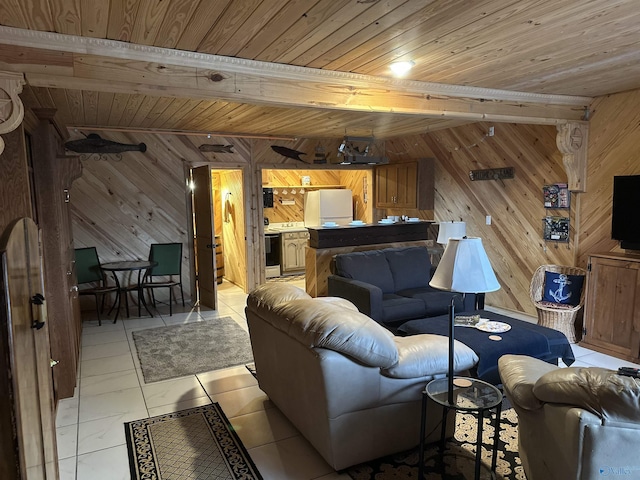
point(401, 68)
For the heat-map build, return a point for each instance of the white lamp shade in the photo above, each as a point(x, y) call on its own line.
point(465, 268)
point(449, 230)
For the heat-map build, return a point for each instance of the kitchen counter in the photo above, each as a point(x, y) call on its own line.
point(368, 234)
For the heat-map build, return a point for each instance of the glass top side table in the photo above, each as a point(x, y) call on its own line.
point(470, 395)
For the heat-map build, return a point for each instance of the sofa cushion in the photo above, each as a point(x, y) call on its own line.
point(317, 322)
point(613, 397)
point(436, 301)
point(396, 308)
point(410, 267)
point(426, 354)
point(371, 267)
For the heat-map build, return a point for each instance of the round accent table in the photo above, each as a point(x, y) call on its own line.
point(469, 395)
point(139, 266)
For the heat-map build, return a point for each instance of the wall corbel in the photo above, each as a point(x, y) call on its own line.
point(11, 108)
point(572, 140)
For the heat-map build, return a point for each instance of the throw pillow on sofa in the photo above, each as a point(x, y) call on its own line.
point(561, 288)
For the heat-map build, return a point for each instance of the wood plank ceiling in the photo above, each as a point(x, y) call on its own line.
point(318, 68)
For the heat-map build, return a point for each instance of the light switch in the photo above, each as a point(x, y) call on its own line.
point(487, 220)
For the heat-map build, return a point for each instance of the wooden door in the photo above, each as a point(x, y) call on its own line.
point(205, 240)
point(24, 337)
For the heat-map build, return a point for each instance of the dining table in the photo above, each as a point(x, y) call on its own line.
point(126, 285)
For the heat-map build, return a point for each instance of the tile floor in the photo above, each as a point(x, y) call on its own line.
point(111, 390)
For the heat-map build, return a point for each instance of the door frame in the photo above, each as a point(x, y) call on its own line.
point(251, 186)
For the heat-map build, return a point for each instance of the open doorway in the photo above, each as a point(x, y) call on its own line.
point(219, 231)
point(229, 226)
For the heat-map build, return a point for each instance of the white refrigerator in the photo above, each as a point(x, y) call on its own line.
point(330, 205)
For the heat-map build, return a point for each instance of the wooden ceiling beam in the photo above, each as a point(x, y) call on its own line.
point(119, 67)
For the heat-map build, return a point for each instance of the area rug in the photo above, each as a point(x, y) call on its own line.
point(198, 443)
point(457, 463)
point(180, 350)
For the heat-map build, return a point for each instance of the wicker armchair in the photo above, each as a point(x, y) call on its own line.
point(559, 318)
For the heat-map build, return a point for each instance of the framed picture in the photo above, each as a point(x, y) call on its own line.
point(556, 196)
point(555, 228)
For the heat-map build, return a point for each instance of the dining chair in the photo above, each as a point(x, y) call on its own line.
point(88, 271)
point(168, 257)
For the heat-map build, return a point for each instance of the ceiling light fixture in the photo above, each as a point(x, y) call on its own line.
point(401, 68)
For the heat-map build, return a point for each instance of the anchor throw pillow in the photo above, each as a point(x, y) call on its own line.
point(561, 288)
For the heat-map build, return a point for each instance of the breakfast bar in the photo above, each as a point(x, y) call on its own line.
point(325, 242)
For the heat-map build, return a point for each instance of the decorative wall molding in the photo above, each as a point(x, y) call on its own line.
point(129, 51)
point(11, 108)
point(572, 140)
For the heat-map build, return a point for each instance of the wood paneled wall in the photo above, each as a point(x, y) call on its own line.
point(614, 149)
point(123, 206)
point(514, 239)
point(233, 227)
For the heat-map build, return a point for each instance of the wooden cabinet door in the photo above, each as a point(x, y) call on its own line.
point(27, 416)
point(386, 186)
point(612, 312)
point(406, 185)
point(289, 252)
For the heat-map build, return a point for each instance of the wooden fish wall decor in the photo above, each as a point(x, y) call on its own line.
point(288, 152)
point(94, 143)
point(217, 148)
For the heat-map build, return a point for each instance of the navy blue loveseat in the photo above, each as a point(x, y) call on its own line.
point(392, 285)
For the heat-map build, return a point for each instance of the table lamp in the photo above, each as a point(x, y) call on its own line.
point(464, 268)
point(449, 230)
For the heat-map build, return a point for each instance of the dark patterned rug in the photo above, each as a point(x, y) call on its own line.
point(198, 443)
point(457, 463)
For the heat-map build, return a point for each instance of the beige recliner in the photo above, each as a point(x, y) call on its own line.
point(350, 386)
point(574, 422)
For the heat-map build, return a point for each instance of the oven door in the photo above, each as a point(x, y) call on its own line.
point(272, 254)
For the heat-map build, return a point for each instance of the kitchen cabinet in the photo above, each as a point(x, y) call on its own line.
point(408, 185)
point(612, 307)
point(293, 250)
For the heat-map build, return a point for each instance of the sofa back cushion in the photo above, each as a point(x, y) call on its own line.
point(370, 267)
point(410, 267)
point(318, 323)
point(326, 322)
point(269, 295)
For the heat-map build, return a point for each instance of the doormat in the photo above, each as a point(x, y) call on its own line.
point(181, 350)
point(198, 443)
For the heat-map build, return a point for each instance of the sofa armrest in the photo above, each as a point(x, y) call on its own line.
point(519, 374)
point(367, 297)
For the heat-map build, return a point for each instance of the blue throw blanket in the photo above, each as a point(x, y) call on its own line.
point(524, 338)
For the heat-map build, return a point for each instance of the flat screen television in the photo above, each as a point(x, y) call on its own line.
point(625, 222)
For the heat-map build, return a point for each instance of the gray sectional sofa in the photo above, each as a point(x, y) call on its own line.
point(392, 285)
